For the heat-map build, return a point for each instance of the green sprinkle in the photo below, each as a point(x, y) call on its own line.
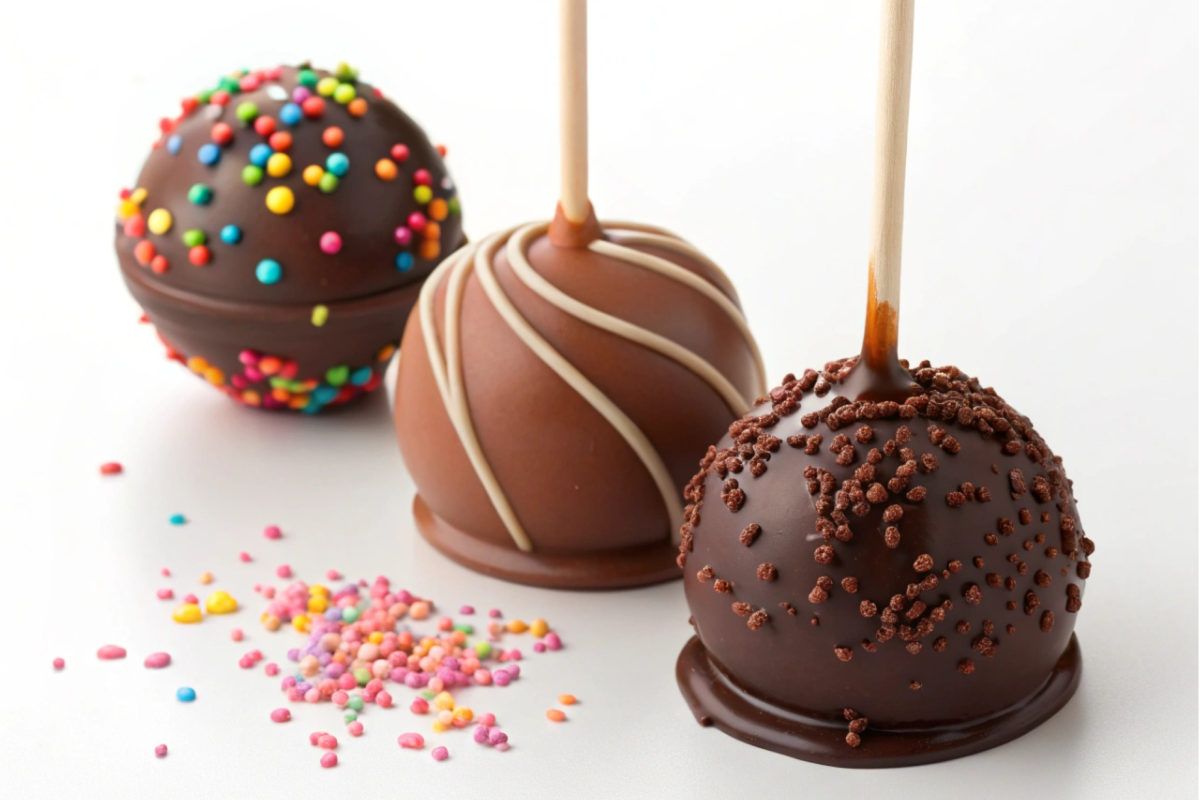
point(194, 237)
point(355, 702)
point(307, 78)
point(483, 649)
point(328, 183)
point(205, 96)
point(465, 628)
point(319, 315)
point(229, 85)
point(337, 376)
point(350, 717)
point(200, 194)
point(428, 695)
point(344, 93)
point(350, 614)
point(246, 112)
point(252, 175)
point(452, 205)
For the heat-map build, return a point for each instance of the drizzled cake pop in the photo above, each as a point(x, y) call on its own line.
point(884, 563)
point(280, 231)
point(559, 380)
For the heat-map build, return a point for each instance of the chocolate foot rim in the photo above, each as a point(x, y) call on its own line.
point(717, 701)
point(614, 569)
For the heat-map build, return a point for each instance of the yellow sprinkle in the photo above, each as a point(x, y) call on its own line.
point(319, 315)
point(159, 221)
point(280, 200)
point(517, 626)
point(279, 164)
point(126, 209)
point(138, 195)
point(327, 85)
point(464, 713)
point(186, 614)
point(214, 376)
point(317, 605)
point(197, 364)
point(375, 637)
point(539, 628)
point(220, 602)
point(444, 701)
point(439, 726)
point(318, 589)
point(300, 623)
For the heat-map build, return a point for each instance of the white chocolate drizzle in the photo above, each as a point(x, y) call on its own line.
point(447, 362)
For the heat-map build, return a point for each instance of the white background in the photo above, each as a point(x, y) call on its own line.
point(1050, 248)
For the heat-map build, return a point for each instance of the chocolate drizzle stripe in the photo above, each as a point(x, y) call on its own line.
point(447, 368)
point(524, 271)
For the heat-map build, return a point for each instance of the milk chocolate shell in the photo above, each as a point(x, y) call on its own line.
point(279, 233)
point(881, 583)
point(558, 383)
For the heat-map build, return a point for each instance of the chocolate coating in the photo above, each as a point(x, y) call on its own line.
point(593, 512)
point(332, 311)
point(829, 575)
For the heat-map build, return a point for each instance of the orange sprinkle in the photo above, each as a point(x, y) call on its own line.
point(554, 715)
point(357, 107)
point(385, 168)
point(567, 699)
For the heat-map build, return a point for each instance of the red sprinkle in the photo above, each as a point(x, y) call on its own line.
point(111, 468)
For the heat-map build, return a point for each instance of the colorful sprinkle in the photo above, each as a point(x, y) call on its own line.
point(404, 262)
point(320, 315)
point(268, 271)
point(246, 112)
point(312, 174)
point(160, 750)
point(331, 242)
point(185, 694)
point(440, 753)
point(58, 663)
point(386, 169)
point(328, 183)
point(177, 519)
point(260, 154)
point(252, 175)
point(187, 614)
point(111, 468)
point(329, 760)
point(555, 715)
point(280, 200)
point(159, 221)
point(272, 532)
point(338, 164)
point(400, 153)
point(157, 661)
point(280, 141)
point(194, 237)
point(290, 114)
point(281, 715)
point(220, 602)
point(200, 194)
point(279, 165)
point(411, 741)
point(174, 143)
point(333, 136)
point(209, 154)
point(231, 234)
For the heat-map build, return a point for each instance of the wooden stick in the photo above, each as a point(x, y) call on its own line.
point(887, 206)
point(573, 108)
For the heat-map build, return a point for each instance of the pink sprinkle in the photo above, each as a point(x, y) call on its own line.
point(553, 642)
point(166, 573)
point(467, 610)
point(333, 575)
point(315, 737)
point(313, 695)
point(165, 594)
point(355, 728)
point(501, 677)
point(497, 737)
point(327, 741)
point(539, 647)
point(110, 651)
point(329, 760)
point(160, 750)
point(383, 700)
point(244, 556)
point(440, 753)
point(330, 242)
point(157, 661)
point(495, 612)
point(340, 698)
point(281, 715)
point(419, 705)
point(191, 598)
point(236, 634)
point(488, 719)
point(412, 741)
point(503, 746)
point(284, 571)
point(272, 532)
point(59, 663)
point(271, 669)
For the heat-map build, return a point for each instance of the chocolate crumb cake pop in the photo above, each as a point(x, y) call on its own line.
point(558, 380)
point(280, 231)
point(884, 563)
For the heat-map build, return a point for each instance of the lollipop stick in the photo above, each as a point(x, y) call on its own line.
point(887, 206)
point(573, 108)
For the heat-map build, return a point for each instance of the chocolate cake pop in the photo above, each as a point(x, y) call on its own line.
point(559, 380)
point(883, 563)
point(280, 231)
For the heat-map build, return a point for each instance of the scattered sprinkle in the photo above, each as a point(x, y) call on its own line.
point(110, 652)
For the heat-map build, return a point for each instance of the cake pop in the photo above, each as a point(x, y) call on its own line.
point(560, 379)
point(280, 231)
point(883, 563)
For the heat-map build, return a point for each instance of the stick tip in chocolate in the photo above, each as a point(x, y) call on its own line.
point(279, 231)
point(905, 575)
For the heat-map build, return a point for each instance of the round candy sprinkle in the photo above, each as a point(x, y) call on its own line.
point(159, 221)
point(306, 77)
point(246, 112)
point(174, 143)
point(312, 174)
point(279, 165)
point(165, 594)
point(332, 136)
point(438, 209)
point(422, 177)
point(160, 750)
point(283, 571)
point(327, 85)
point(194, 237)
point(440, 753)
point(159, 264)
point(354, 728)
point(200, 194)
point(329, 760)
point(411, 741)
point(386, 169)
point(281, 715)
point(404, 262)
point(252, 175)
point(328, 182)
point(280, 200)
point(280, 141)
point(185, 694)
point(313, 107)
point(222, 133)
point(231, 234)
point(199, 255)
point(220, 602)
point(555, 715)
point(422, 194)
point(209, 154)
point(111, 468)
point(268, 270)
point(400, 152)
point(187, 614)
point(177, 519)
point(344, 93)
point(357, 107)
point(264, 126)
point(59, 663)
point(403, 236)
point(331, 242)
point(157, 661)
point(320, 315)
point(272, 532)
point(337, 163)
point(327, 741)
point(290, 114)
point(259, 154)
point(567, 699)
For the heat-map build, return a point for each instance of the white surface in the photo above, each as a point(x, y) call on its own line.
point(1051, 248)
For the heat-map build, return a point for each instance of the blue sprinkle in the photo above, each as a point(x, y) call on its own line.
point(174, 143)
point(404, 262)
point(290, 113)
point(186, 694)
point(360, 376)
point(209, 154)
point(268, 271)
point(312, 407)
point(260, 153)
point(231, 234)
point(324, 394)
point(178, 519)
point(338, 164)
